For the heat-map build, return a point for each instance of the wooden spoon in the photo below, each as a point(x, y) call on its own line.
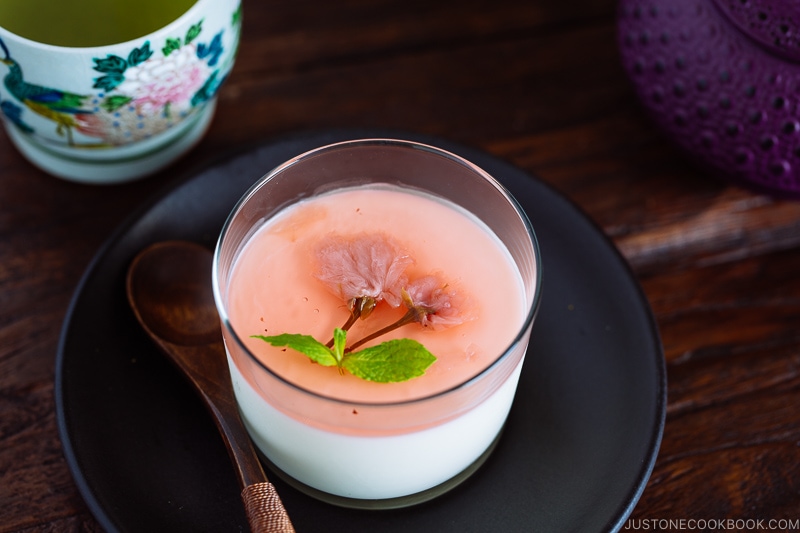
point(169, 289)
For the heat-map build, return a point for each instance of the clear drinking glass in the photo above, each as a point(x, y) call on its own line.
point(377, 454)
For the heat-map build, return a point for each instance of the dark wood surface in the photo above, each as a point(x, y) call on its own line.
point(538, 83)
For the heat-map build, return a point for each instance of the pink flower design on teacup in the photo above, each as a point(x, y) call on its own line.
point(165, 83)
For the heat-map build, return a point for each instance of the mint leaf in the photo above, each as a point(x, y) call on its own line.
point(339, 341)
point(391, 361)
point(305, 344)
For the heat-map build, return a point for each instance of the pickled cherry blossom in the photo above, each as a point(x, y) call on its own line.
point(434, 303)
point(362, 270)
point(368, 268)
point(431, 303)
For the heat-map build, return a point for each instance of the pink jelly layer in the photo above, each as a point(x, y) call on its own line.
point(273, 289)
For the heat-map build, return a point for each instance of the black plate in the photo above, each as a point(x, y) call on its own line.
point(578, 448)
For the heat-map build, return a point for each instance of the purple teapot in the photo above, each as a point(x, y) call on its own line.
point(721, 78)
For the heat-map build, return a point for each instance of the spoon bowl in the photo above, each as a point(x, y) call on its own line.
point(169, 289)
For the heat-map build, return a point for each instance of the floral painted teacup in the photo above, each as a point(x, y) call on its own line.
point(113, 113)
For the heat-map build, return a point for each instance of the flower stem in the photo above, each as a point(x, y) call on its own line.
point(355, 313)
point(350, 321)
point(408, 318)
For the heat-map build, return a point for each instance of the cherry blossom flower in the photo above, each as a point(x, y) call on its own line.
point(434, 303)
point(362, 270)
point(431, 303)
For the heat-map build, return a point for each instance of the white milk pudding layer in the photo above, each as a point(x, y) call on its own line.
point(365, 467)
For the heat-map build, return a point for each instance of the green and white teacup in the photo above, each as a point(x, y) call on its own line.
point(106, 92)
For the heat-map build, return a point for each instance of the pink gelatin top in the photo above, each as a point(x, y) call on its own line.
point(382, 251)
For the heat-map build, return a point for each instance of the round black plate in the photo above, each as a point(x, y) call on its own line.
point(577, 451)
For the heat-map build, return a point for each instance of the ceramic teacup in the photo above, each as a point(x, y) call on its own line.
point(115, 112)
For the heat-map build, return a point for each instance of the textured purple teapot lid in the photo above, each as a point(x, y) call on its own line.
point(722, 79)
point(773, 24)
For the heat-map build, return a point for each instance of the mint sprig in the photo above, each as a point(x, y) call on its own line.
point(389, 362)
point(315, 350)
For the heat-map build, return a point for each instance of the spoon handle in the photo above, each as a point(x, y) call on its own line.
point(265, 510)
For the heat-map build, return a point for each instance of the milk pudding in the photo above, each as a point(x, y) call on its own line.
point(356, 440)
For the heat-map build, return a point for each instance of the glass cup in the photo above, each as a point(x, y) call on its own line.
point(121, 106)
point(374, 453)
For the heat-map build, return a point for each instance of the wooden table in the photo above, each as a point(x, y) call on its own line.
point(536, 83)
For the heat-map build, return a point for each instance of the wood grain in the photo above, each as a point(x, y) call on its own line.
point(536, 83)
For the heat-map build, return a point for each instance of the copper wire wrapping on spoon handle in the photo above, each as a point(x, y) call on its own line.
point(265, 510)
